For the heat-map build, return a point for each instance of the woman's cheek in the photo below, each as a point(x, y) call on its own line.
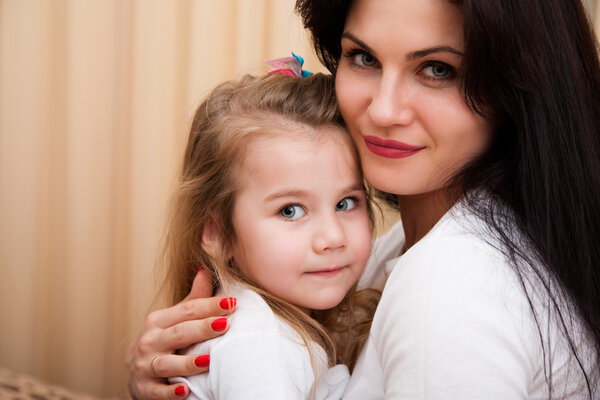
point(348, 95)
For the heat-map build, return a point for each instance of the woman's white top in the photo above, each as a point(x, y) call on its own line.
point(454, 323)
point(262, 357)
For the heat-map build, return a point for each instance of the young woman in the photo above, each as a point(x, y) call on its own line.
point(480, 120)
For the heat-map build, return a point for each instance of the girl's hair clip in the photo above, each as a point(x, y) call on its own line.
point(291, 66)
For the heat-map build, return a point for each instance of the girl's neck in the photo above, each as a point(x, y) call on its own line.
point(421, 212)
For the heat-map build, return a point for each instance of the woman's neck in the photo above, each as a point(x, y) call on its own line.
point(421, 212)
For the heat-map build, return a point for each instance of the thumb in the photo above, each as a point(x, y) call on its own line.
point(201, 287)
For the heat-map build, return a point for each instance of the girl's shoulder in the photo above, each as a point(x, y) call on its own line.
point(261, 356)
point(252, 320)
point(253, 316)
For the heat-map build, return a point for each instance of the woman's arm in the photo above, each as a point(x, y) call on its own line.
point(253, 365)
point(150, 359)
point(262, 357)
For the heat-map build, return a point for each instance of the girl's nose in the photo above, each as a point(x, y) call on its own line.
point(329, 235)
point(391, 103)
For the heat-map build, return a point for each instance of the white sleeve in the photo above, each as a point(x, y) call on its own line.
point(449, 327)
point(258, 365)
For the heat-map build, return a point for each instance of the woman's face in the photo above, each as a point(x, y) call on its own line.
point(397, 88)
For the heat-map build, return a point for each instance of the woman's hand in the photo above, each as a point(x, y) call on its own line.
point(195, 319)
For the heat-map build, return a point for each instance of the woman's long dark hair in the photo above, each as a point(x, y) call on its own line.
point(532, 69)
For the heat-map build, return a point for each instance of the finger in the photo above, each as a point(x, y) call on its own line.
point(160, 391)
point(201, 287)
point(189, 332)
point(178, 391)
point(157, 389)
point(193, 309)
point(169, 365)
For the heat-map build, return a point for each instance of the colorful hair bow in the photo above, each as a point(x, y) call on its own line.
point(291, 66)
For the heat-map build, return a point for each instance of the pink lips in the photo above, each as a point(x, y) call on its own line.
point(390, 148)
point(326, 271)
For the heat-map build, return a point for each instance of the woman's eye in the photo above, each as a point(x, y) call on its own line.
point(364, 60)
point(438, 71)
point(360, 58)
point(345, 204)
point(291, 212)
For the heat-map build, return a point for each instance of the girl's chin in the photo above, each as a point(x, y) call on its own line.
point(323, 305)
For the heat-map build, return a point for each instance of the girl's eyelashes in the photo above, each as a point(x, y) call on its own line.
point(360, 58)
point(292, 211)
point(296, 211)
point(346, 204)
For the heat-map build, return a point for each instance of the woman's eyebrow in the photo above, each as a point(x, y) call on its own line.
point(359, 42)
point(413, 55)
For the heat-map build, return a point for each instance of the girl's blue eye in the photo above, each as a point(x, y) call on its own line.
point(345, 204)
point(291, 212)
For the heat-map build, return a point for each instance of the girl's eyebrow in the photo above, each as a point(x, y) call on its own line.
point(303, 193)
point(285, 193)
point(413, 55)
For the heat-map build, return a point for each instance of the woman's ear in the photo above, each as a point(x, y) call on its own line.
point(210, 238)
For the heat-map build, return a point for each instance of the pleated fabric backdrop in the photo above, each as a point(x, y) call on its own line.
point(95, 100)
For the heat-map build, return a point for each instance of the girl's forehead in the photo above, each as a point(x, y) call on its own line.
point(285, 129)
point(298, 138)
point(272, 161)
point(294, 135)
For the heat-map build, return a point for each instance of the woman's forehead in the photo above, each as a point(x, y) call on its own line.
point(423, 23)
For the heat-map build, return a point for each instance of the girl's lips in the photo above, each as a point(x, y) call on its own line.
point(326, 271)
point(390, 148)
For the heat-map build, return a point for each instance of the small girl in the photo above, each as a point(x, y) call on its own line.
point(272, 204)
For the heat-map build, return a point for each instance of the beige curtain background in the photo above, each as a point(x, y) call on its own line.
point(95, 100)
point(96, 97)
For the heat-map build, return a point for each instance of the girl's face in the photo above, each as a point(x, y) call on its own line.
point(397, 89)
point(300, 217)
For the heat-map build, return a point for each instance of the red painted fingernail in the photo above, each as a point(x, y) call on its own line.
point(202, 361)
point(180, 391)
point(219, 324)
point(228, 303)
point(200, 268)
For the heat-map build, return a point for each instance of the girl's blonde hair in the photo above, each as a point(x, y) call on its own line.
point(224, 124)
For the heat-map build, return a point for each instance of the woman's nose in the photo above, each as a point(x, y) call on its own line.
point(391, 103)
point(329, 235)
